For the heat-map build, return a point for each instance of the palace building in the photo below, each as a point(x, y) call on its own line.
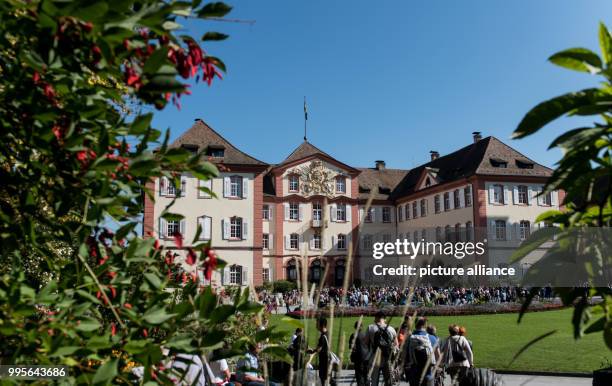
point(267, 218)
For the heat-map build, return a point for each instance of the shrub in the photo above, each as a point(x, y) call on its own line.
point(283, 286)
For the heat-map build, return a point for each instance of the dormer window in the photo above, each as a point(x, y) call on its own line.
point(524, 164)
point(428, 182)
point(340, 184)
point(215, 151)
point(294, 183)
point(498, 163)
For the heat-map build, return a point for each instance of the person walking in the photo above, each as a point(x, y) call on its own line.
point(322, 350)
point(359, 354)
point(420, 355)
point(458, 355)
point(382, 342)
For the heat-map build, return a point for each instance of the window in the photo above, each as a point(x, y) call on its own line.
point(499, 163)
point(294, 211)
point(316, 241)
point(173, 228)
point(524, 229)
point(424, 234)
point(522, 194)
point(265, 274)
point(265, 241)
point(294, 183)
point(235, 274)
point(341, 241)
point(205, 188)
point(170, 188)
point(447, 233)
point(458, 232)
point(386, 214)
point(456, 203)
point(386, 238)
point(215, 151)
point(400, 214)
point(467, 194)
point(317, 213)
point(498, 194)
point(416, 236)
point(367, 241)
point(294, 241)
point(236, 228)
point(407, 210)
point(292, 270)
point(369, 215)
point(235, 186)
point(547, 199)
point(266, 212)
point(524, 164)
point(423, 207)
point(469, 231)
point(446, 201)
point(414, 210)
point(438, 234)
point(341, 184)
point(437, 203)
point(341, 212)
point(500, 230)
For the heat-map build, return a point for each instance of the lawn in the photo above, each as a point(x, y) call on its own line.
point(497, 338)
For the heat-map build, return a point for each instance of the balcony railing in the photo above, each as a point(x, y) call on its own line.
point(318, 223)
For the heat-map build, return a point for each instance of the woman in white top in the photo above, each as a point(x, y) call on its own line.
point(458, 355)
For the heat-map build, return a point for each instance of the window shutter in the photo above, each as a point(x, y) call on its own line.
point(225, 280)
point(451, 200)
point(492, 231)
point(270, 241)
point(515, 195)
point(163, 228)
point(361, 215)
point(301, 212)
point(286, 242)
point(391, 214)
point(182, 228)
point(201, 226)
point(183, 186)
point(204, 184)
point(508, 231)
point(491, 194)
point(323, 243)
point(245, 230)
point(286, 211)
point(300, 240)
point(540, 197)
point(311, 242)
point(505, 195)
point(225, 225)
point(348, 213)
point(334, 242)
point(163, 186)
point(418, 208)
point(553, 198)
point(245, 187)
point(333, 212)
point(226, 187)
point(245, 276)
point(529, 194)
point(206, 227)
point(271, 209)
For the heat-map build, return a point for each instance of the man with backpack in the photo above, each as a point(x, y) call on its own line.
point(382, 341)
point(359, 354)
point(420, 356)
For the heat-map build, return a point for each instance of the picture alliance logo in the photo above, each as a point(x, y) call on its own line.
point(410, 249)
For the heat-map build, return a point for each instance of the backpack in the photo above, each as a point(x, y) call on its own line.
point(383, 340)
point(421, 349)
point(457, 351)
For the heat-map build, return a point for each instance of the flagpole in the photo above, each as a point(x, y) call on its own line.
point(305, 118)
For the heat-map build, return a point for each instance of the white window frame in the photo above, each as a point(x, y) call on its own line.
point(369, 217)
point(524, 229)
point(316, 241)
point(447, 201)
point(456, 199)
point(522, 197)
point(498, 194)
point(294, 211)
point(341, 213)
point(203, 235)
point(437, 203)
point(235, 275)
point(265, 241)
point(341, 242)
point(265, 212)
point(265, 275)
point(172, 224)
point(317, 211)
point(235, 186)
point(236, 224)
point(340, 184)
point(293, 183)
point(423, 207)
point(467, 195)
point(386, 214)
point(500, 230)
point(294, 238)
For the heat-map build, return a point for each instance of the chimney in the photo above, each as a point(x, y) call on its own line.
point(477, 136)
point(380, 165)
point(434, 155)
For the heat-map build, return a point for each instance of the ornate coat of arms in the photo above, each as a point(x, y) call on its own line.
point(317, 179)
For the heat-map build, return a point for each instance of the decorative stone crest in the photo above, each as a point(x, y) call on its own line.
point(317, 179)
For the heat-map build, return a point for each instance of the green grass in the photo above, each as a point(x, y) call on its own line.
point(497, 338)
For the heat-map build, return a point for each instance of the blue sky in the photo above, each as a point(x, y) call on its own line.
point(388, 80)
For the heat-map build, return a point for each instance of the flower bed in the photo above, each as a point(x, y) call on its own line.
point(467, 309)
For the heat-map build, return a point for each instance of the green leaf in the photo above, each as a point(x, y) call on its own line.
point(578, 59)
point(221, 313)
point(157, 316)
point(216, 9)
point(536, 239)
point(173, 217)
point(94, 11)
point(141, 123)
point(153, 279)
point(64, 351)
point(605, 43)
point(156, 60)
point(88, 325)
point(106, 372)
point(216, 36)
point(208, 301)
point(554, 108)
point(171, 25)
point(279, 353)
point(596, 326)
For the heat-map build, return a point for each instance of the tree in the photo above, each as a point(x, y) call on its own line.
point(584, 171)
point(68, 70)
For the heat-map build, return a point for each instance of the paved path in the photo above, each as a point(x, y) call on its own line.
point(347, 378)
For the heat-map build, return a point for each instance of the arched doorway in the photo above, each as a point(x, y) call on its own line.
point(339, 272)
point(315, 271)
point(291, 270)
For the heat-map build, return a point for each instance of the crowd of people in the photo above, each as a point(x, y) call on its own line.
point(383, 296)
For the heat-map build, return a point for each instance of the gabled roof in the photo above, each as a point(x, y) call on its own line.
point(379, 182)
point(474, 159)
point(202, 136)
point(306, 150)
